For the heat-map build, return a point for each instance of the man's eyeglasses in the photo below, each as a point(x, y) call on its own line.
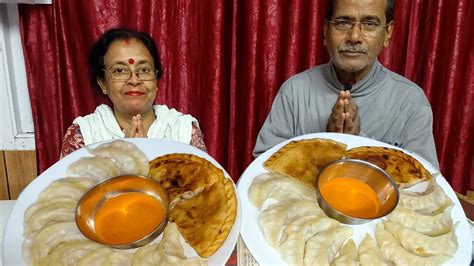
point(122, 73)
point(367, 28)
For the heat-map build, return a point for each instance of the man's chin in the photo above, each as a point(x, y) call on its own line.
point(351, 67)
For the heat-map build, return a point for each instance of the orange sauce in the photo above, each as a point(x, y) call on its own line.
point(351, 196)
point(128, 217)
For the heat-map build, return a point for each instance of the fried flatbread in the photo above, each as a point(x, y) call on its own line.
point(184, 175)
point(303, 159)
point(206, 219)
point(203, 202)
point(404, 169)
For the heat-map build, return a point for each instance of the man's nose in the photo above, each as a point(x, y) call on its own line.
point(356, 32)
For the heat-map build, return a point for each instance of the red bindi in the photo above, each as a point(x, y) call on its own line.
point(131, 61)
point(127, 41)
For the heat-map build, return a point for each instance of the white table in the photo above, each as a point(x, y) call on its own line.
point(6, 207)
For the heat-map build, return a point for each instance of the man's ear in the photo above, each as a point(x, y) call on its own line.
point(388, 36)
point(102, 85)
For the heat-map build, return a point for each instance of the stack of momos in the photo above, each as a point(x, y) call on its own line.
point(50, 231)
point(420, 231)
point(50, 222)
point(111, 159)
point(295, 225)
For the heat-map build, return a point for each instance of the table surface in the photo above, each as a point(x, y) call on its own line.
point(244, 257)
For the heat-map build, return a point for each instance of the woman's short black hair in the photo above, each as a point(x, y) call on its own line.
point(388, 10)
point(100, 47)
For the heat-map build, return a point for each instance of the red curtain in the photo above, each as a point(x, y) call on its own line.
point(225, 60)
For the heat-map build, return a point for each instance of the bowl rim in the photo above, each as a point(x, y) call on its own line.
point(357, 220)
point(136, 243)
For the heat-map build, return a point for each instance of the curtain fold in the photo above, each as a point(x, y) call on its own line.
point(224, 61)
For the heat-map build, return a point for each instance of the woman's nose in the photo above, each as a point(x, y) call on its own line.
point(134, 79)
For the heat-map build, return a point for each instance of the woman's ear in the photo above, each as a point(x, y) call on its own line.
point(102, 85)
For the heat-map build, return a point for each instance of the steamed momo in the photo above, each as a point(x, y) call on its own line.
point(369, 253)
point(321, 249)
point(51, 237)
point(347, 255)
point(54, 211)
point(73, 187)
point(106, 256)
point(423, 245)
point(394, 252)
point(275, 217)
point(95, 257)
point(145, 255)
point(429, 225)
point(170, 251)
point(296, 234)
point(431, 201)
point(98, 168)
point(70, 253)
point(279, 187)
point(45, 203)
point(126, 155)
point(119, 258)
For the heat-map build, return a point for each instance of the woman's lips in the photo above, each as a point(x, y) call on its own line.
point(134, 93)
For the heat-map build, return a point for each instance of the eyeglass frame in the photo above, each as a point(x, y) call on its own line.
point(131, 74)
point(363, 30)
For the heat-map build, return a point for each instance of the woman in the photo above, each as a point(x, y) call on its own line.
point(125, 66)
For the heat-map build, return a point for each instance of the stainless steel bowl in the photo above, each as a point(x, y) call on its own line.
point(383, 184)
point(98, 195)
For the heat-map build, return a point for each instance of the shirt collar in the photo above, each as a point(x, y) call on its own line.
point(362, 87)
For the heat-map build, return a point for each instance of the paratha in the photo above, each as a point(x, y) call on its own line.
point(303, 159)
point(206, 219)
point(184, 175)
point(203, 200)
point(404, 169)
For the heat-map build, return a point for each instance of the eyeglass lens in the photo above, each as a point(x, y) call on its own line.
point(124, 73)
point(368, 28)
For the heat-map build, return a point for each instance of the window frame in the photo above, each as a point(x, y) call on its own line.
point(16, 127)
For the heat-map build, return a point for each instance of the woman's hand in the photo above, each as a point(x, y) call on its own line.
point(136, 129)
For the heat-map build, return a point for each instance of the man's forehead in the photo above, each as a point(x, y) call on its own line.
point(359, 9)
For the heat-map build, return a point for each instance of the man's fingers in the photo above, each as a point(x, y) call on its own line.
point(336, 118)
point(352, 123)
point(351, 115)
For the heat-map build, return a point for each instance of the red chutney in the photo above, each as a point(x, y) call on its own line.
point(128, 217)
point(351, 196)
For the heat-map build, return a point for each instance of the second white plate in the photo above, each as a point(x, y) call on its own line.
point(265, 254)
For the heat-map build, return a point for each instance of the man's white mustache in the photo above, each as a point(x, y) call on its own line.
point(352, 49)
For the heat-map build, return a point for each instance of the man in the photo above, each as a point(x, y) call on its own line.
point(353, 93)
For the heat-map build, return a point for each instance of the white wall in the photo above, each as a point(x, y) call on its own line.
point(16, 123)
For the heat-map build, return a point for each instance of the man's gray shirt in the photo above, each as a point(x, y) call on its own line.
point(392, 109)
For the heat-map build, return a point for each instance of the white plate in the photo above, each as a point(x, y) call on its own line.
point(266, 255)
point(13, 236)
